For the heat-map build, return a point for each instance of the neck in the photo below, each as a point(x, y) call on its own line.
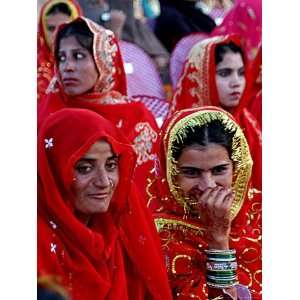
point(83, 218)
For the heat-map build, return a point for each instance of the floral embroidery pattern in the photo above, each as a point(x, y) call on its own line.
point(53, 247)
point(48, 143)
point(53, 225)
point(143, 142)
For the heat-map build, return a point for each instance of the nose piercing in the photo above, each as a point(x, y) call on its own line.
point(111, 183)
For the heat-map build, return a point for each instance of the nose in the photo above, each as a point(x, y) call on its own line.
point(235, 80)
point(101, 179)
point(69, 65)
point(206, 181)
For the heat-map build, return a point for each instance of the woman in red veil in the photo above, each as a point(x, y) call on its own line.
point(198, 86)
point(205, 207)
point(90, 74)
point(52, 14)
point(94, 233)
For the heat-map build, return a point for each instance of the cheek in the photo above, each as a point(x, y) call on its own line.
point(226, 180)
point(221, 84)
point(243, 83)
point(79, 186)
point(92, 73)
point(115, 179)
point(186, 184)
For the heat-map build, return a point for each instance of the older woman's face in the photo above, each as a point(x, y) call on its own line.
point(77, 68)
point(203, 167)
point(96, 178)
point(230, 79)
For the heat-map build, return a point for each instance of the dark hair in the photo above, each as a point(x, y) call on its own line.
point(59, 8)
point(82, 33)
point(213, 132)
point(44, 293)
point(221, 49)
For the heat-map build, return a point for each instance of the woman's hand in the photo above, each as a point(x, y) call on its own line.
point(213, 207)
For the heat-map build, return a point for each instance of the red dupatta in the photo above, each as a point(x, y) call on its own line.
point(182, 235)
point(45, 59)
point(118, 256)
point(197, 87)
point(108, 98)
point(244, 19)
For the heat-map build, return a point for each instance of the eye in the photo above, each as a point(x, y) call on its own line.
point(219, 170)
point(242, 72)
point(112, 165)
point(189, 172)
point(83, 168)
point(50, 28)
point(79, 55)
point(61, 57)
point(224, 72)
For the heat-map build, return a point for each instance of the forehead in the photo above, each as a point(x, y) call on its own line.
point(69, 42)
point(231, 60)
point(57, 19)
point(99, 150)
point(203, 157)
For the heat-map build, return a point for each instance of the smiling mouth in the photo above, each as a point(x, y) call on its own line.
point(98, 196)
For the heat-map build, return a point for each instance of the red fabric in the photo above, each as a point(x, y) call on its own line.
point(184, 238)
point(45, 59)
point(255, 95)
point(197, 87)
point(244, 19)
point(107, 99)
point(119, 255)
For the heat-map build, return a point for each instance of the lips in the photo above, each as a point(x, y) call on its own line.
point(98, 196)
point(70, 81)
point(235, 94)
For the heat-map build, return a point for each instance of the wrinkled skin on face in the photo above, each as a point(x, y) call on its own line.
point(96, 176)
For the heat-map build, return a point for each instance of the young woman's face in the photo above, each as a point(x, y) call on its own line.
point(203, 167)
point(77, 68)
point(96, 178)
point(52, 22)
point(230, 79)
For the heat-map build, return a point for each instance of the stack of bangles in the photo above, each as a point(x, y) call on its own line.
point(221, 268)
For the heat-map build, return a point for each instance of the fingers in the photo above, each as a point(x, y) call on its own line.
point(217, 201)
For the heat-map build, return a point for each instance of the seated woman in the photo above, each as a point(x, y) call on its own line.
point(94, 233)
point(206, 212)
point(53, 13)
point(90, 74)
point(216, 73)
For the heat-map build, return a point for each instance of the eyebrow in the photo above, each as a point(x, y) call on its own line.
point(113, 157)
point(198, 169)
point(76, 49)
point(223, 68)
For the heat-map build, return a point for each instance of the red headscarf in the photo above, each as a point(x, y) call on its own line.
point(45, 59)
point(118, 256)
point(108, 99)
point(197, 87)
point(244, 19)
point(183, 235)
